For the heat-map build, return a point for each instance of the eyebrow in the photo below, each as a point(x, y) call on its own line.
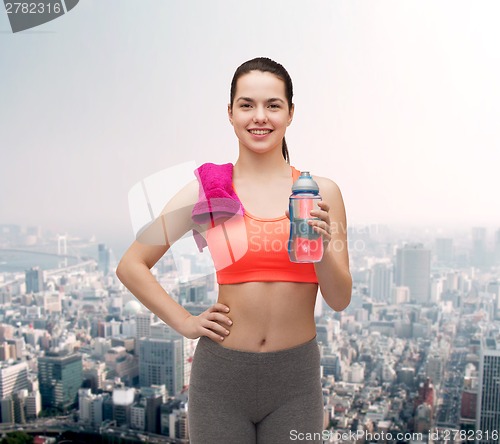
point(272, 99)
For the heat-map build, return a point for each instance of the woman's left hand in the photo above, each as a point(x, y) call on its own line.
point(322, 225)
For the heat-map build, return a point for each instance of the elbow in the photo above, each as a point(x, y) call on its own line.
point(119, 274)
point(121, 271)
point(340, 298)
point(340, 303)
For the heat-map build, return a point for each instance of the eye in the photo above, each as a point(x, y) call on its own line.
point(245, 105)
point(274, 106)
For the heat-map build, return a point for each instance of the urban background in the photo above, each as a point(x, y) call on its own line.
point(417, 351)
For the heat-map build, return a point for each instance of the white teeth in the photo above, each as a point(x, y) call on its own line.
point(260, 132)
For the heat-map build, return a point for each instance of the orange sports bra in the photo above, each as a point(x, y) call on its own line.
point(253, 249)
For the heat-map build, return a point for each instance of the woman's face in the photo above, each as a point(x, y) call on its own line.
point(260, 112)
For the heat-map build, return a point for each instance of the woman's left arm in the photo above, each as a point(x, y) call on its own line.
point(334, 277)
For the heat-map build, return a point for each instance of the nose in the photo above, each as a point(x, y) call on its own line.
point(260, 115)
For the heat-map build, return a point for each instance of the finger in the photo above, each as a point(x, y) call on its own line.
point(323, 209)
point(213, 335)
point(324, 205)
point(320, 226)
point(219, 307)
point(216, 328)
point(221, 317)
point(322, 218)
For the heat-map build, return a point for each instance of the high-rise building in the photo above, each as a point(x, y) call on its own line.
point(138, 416)
point(34, 280)
point(90, 407)
point(434, 366)
point(400, 295)
point(19, 399)
point(161, 362)
point(493, 288)
point(380, 282)
point(123, 399)
point(181, 424)
point(94, 372)
point(488, 401)
point(60, 375)
point(122, 365)
point(437, 285)
point(13, 378)
point(104, 258)
point(108, 329)
point(444, 250)
point(167, 426)
point(51, 301)
point(153, 404)
point(426, 394)
point(6, 332)
point(193, 291)
point(332, 366)
point(33, 404)
point(413, 270)
point(7, 410)
point(143, 323)
point(496, 248)
point(324, 331)
point(468, 404)
point(479, 252)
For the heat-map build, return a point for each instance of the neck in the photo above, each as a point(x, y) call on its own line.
point(263, 165)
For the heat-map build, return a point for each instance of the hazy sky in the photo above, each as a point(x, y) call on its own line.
point(397, 102)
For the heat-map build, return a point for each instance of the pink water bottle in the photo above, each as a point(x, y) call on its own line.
point(304, 244)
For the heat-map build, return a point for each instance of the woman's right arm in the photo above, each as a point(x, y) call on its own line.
point(134, 270)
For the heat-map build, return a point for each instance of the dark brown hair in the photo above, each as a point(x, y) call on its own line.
point(264, 64)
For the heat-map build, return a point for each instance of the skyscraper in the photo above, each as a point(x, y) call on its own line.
point(143, 323)
point(193, 291)
point(104, 258)
point(380, 282)
point(413, 270)
point(13, 378)
point(444, 250)
point(478, 252)
point(496, 248)
point(60, 376)
point(34, 280)
point(161, 362)
point(493, 287)
point(488, 401)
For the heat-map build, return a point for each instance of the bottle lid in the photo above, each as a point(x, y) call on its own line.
point(305, 184)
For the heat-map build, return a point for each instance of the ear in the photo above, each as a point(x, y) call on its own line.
point(290, 116)
point(230, 113)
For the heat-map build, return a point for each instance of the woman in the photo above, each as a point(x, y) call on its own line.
point(256, 373)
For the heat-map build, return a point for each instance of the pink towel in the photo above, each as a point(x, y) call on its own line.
point(217, 200)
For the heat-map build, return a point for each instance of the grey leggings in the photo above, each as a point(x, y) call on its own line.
point(244, 397)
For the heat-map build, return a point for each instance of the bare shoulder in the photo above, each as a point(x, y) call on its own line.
point(331, 194)
point(177, 212)
point(174, 220)
point(327, 187)
point(184, 198)
point(154, 240)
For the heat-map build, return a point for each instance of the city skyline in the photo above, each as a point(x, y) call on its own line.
point(397, 102)
point(405, 358)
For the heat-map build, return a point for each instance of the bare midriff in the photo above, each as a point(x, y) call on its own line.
point(268, 316)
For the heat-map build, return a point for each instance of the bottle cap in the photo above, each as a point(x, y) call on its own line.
point(305, 184)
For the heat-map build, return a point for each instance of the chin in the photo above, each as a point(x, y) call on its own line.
point(262, 148)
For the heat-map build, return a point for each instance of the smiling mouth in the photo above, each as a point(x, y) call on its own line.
point(259, 132)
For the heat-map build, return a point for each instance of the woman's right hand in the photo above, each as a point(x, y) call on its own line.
point(208, 323)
